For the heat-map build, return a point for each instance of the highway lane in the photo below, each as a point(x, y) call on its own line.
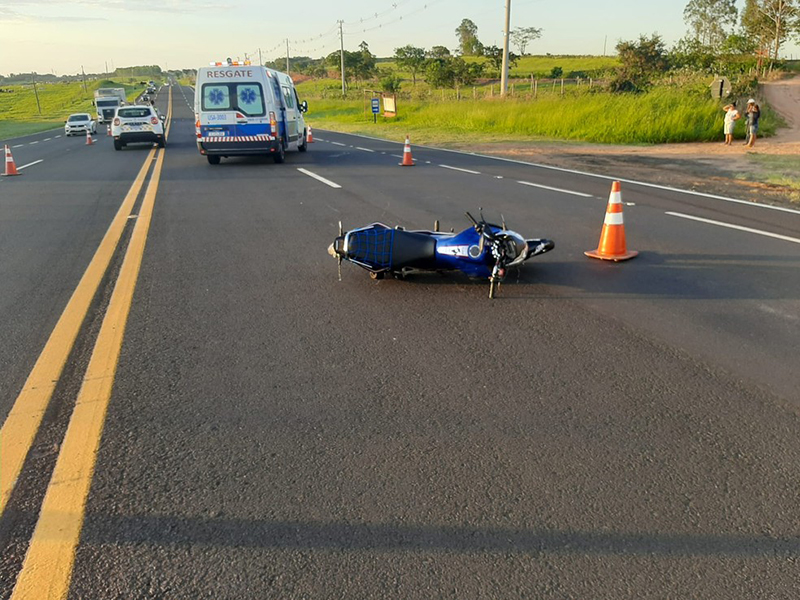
point(53, 217)
point(276, 433)
point(729, 296)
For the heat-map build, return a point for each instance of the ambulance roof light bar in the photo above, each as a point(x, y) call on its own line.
point(231, 63)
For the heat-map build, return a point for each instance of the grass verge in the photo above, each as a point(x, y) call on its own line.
point(665, 115)
point(19, 113)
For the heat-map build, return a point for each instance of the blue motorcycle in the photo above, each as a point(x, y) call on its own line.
point(484, 250)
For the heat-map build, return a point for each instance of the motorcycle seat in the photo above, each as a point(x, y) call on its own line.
point(411, 249)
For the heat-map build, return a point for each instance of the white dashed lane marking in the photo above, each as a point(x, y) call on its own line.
point(320, 178)
point(554, 189)
point(36, 162)
point(777, 236)
point(460, 169)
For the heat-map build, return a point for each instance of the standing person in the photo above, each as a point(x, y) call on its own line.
point(731, 116)
point(752, 114)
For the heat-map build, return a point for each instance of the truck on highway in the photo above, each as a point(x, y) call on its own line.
point(106, 101)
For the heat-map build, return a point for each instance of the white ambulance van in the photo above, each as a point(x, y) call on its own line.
point(243, 109)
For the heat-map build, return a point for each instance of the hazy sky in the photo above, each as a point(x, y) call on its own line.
point(60, 36)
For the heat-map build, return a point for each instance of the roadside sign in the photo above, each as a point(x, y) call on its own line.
point(720, 88)
point(389, 106)
point(376, 105)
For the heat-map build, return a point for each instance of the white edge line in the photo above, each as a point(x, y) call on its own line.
point(34, 142)
point(36, 162)
point(554, 189)
point(584, 173)
point(338, 144)
point(319, 178)
point(18, 146)
point(777, 236)
point(460, 169)
point(364, 149)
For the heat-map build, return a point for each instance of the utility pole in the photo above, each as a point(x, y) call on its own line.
point(341, 43)
point(106, 68)
point(506, 35)
point(36, 93)
point(83, 73)
point(260, 62)
point(605, 42)
point(287, 56)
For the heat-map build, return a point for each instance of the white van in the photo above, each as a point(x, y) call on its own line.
point(243, 109)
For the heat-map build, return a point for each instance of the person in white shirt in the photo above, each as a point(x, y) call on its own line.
point(731, 116)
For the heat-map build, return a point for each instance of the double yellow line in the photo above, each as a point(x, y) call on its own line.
point(47, 569)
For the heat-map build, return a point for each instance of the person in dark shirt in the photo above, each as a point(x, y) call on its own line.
point(752, 113)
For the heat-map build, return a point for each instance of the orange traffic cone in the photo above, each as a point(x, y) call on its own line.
point(89, 140)
point(310, 136)
point(11, 168)
point(612, 238)
point(408, 161)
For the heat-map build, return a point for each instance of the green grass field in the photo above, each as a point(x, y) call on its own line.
point(20, 116)
point(538, 66)
point(667, 114)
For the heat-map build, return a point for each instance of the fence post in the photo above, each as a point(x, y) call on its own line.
point(491, 91)
point(532, 84)
point(474, 93)
point(535, 88)
point(554, 85)
point(512, 89)
point(562, 86)
point(591, 82)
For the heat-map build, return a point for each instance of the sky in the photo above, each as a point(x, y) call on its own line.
point(56, 36)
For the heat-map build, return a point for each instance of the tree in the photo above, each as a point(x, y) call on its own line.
point(438, 52)
point(439, 73)
point(522, 36)
point(641, 61)
point(410, 58)
point(495, 56)
point(465, 73)
point(365, 66)
point(756, 27)
point(784, 17)
point(710, 21)
point(467, 34)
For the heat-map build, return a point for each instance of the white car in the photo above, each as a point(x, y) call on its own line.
point(79, 124)
point(137, 123)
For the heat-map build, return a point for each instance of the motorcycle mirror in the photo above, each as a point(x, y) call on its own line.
point(503, 221)
point(472, 219)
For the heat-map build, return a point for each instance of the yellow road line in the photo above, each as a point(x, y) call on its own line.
point(47, 569)
point(22, 423)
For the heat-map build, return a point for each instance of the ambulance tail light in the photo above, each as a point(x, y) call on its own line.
point(154, 120)
point(273, 123)
point(197, 128)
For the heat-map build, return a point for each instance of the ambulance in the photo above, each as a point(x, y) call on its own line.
point(243, 109)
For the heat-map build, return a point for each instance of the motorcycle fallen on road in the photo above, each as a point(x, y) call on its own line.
point(484, 250)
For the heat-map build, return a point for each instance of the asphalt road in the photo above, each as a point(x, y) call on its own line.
point(599, 431)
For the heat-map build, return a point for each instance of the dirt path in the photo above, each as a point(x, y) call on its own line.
point(784, 96)
point(768, 172)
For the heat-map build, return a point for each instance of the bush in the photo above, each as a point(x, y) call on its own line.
point(391, 83)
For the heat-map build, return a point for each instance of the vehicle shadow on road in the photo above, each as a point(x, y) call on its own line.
point(175, 530)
